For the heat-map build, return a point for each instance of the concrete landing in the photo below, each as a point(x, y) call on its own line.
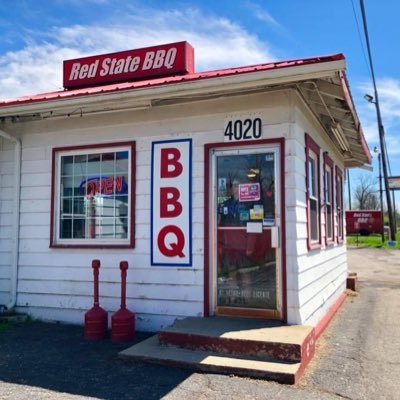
point(151, 351)
point(246, 347)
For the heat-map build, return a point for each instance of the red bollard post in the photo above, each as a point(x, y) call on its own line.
point(96, 319)
point(123, 321)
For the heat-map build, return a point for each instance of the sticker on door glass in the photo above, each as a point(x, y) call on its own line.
point(249, 192)
point(269, 221)
point(222, 185)
point(257, 212)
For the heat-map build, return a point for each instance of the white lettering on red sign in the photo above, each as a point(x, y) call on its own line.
point(171, 203)
point(114, 66)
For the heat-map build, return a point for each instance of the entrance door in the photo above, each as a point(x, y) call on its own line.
point(246, 252)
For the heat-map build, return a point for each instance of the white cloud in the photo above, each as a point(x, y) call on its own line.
point(389, 103)
point(263, 15)
point(218, 43)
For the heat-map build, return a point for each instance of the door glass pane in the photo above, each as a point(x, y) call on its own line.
point(246, 263)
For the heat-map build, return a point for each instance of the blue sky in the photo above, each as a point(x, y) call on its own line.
point(37, 35)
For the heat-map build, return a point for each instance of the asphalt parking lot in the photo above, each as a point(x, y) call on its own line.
point(357, 356)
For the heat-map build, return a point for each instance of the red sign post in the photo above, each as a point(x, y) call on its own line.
point(164, 60)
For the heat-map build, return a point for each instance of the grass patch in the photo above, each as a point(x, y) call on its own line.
point(371, 241)
point(5, 325)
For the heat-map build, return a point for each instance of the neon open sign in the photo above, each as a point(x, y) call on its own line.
point(105, 185)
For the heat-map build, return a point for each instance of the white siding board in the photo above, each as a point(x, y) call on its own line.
point(5, 258)
point(4, 285)
point(36, 193)
point(163, 307)
point(35, 205)
point(35, 153)
point(36, 232)
point(319, 284)
point(35, 166)
point(6, 206)
point(138, 276)
point(7, 168)
point(6, 180)
point(35, 219)
point(5, 231)
point(314, 310)
point(39, 180)
point(7, 193)
point(112, 290)
point(68, 258)
point(5, 245)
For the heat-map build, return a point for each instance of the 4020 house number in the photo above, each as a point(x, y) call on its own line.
point(243, 129)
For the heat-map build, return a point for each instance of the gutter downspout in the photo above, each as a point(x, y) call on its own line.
point(15, 229)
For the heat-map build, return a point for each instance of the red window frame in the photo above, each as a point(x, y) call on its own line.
point(329, 162)
point(339, 204)
point(55, 181)
point(312, 147)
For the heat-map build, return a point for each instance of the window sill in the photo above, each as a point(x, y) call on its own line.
point(313, 245)
point(91, 246)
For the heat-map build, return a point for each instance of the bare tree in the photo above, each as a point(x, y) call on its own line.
point(366, 194)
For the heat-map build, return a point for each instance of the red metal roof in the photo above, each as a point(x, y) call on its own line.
point(66, 94)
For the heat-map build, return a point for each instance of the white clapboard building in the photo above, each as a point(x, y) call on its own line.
point(221, 189)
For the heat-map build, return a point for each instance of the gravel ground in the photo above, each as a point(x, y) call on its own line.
point(53, 361)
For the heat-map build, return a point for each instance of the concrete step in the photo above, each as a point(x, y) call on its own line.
point(152, 351)
point(241, 336)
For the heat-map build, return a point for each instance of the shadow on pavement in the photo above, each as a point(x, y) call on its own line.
point(57, 357)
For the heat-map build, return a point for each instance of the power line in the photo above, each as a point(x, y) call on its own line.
point(360, 36)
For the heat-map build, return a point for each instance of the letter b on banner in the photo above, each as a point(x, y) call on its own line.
point(171, 191)
point(170, 164)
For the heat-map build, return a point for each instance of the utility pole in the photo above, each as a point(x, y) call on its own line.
point(376, 150)
point(380, 130)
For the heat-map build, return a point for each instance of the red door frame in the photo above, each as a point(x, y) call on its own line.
point(207, 225)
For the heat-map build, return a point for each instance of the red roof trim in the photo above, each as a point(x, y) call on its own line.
point(66, 94)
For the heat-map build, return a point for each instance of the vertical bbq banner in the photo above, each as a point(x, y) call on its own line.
point(171, 208)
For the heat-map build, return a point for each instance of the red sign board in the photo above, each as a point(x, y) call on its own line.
point(164, 60)
point(365, 221)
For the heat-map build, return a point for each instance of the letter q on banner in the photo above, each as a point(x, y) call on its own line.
point(171, 208)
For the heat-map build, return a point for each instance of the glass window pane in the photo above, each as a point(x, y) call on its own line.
point(312, 178)
point(66, 228)
point(105, 228)
point(67, 186)
point(328, 184)
point(66, 206)
point(314, 220)
point(329, 220)
point(246, 188)
point(121, 162)
point(79, 206)
point(121, 228)
point(107, 164)
point(93, 165)
point(66, 165)
point(79, 225)
point(80, 165)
